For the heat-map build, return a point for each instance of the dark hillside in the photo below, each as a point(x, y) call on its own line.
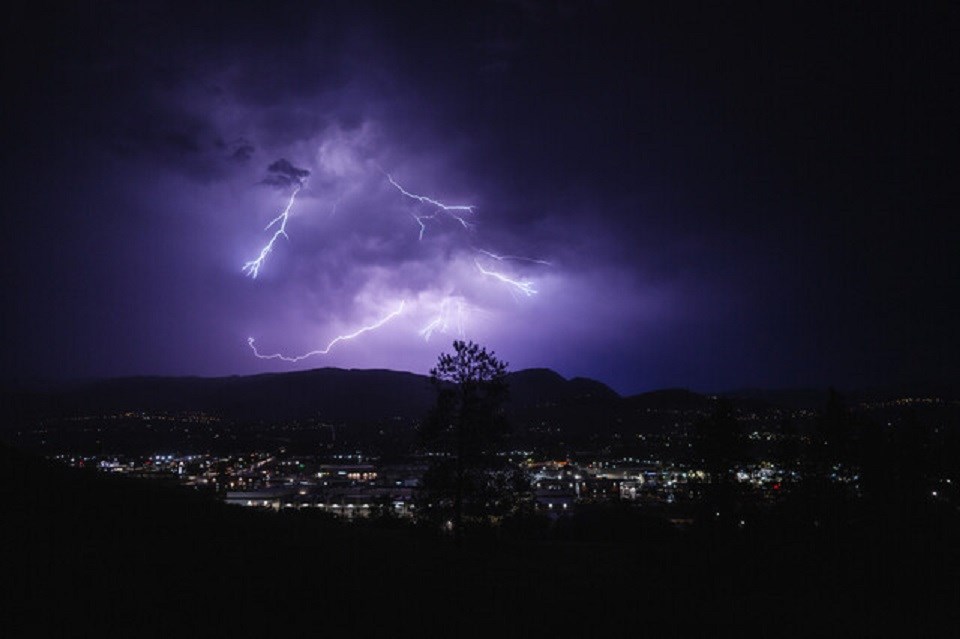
point(88, 554)
point(331, 393)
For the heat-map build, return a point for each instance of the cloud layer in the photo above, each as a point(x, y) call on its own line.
point(702, 199)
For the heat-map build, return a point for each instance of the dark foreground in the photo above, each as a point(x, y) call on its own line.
point(86, 553)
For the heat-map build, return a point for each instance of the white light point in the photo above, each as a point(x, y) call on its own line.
point(252, 268)
point(326, 349)
point(524, 286)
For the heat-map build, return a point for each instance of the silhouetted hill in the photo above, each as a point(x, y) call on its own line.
point(805, 398)
point(543, 401)
point(669, 399)
point(814, 398)
point(536, 386)
point(333, 394)
point(545, 408)
point(586, 387)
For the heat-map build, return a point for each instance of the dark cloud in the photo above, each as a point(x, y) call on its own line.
point(240, 150)
point(243, 153)
point(282, 173)
point(726, 196)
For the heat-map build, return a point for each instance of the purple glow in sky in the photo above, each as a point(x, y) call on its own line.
point(433, 297)
point(711, 199)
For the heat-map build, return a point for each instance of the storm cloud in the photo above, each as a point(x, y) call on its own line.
point(282, 173)
point(703, 201)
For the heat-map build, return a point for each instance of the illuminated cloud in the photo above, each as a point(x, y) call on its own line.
point(457, 160)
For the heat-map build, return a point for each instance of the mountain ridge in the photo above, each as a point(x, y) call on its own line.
point(345, 395)
point(335, 393)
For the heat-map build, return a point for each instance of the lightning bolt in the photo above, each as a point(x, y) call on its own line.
point(336, 340)
point(420, 219)
point(452, 310)
point(517, 258)
point(524, 286)
point(451, 210)
point(442, 322)
point(252, 268)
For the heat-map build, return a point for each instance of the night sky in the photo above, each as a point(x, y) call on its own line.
point(725, 197)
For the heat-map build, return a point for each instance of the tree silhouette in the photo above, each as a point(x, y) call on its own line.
point(717, 441)
point(834, 430)
point(718, 446)
point(468, 416)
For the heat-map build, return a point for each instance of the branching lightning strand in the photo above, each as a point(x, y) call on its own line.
point(517, 258)
point(523, 286)
point(449, 209)
point(252, 268)
point(325, 350)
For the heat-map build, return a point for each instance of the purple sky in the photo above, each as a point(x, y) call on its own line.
point(725, 198)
